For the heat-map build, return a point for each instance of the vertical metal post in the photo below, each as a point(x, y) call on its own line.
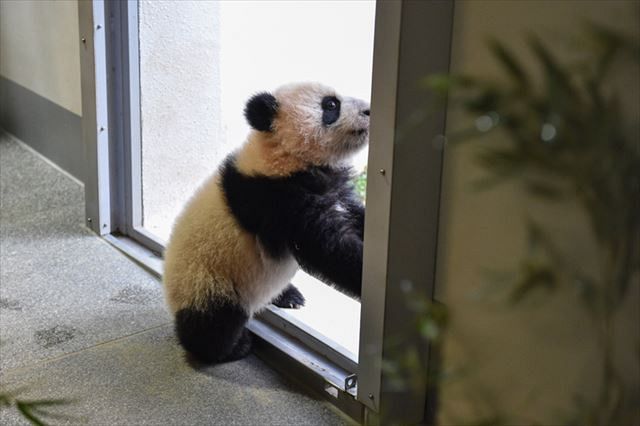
point(413, 40)
point(95, 118)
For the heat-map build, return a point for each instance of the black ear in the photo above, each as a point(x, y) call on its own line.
point(261, 110)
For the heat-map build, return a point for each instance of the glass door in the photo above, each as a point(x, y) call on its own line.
point(199, 62)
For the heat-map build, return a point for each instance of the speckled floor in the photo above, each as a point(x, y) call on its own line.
point(78, 320)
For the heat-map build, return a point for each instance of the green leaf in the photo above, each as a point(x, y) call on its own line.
point(544, 189)
point(443, 83)
point(510, 63)
point(562, 94)
point(609, 42)
point(34, 411)
point(534, 277)
point(588, 293)
point(360, 184)
point(440, 83)
point(501, 162)
point(5, 400)
point(429, 329)
point(486, 183)
point(486, 100)
point(25, 410)
point(48, 402)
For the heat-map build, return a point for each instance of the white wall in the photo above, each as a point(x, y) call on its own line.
point(180, 103)
point(39, 49)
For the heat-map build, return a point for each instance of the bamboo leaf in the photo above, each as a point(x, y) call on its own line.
point(5, 400)
point(501, 162)
point(443, 83)
point(510, 63)
point(429, 329)
point(535, 277)
point(25, 410)
point(439, 83)
point(545, 190)
point(561, 92)
point(487, 183)
point(42, 414)
point(611, 41)
point(486, 100)
point(48, 402)
point(552, 69)
point(588, 293)
point(34, 410)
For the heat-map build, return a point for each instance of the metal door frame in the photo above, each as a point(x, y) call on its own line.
point(412, 40)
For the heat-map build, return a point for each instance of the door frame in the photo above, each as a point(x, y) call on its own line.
point(412, 40)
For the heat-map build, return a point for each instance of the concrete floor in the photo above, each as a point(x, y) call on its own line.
point(78, 320)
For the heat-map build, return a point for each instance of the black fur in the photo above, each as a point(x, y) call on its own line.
point(260, 111)
point(297, 214)
point(216, 334)
point(290, 298)
point(330, 110)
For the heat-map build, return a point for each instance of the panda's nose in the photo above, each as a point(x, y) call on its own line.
point(365, 112)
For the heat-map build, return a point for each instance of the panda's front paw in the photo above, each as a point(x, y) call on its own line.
point(290, 298)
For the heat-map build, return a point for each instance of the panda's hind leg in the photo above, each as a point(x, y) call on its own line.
point(216, 334)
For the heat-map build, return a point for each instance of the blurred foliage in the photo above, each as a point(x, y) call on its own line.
point(567, 139)
point(360, 184)
point(37, 412)
point(404, 360)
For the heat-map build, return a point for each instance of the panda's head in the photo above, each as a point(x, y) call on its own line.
point(309, 124)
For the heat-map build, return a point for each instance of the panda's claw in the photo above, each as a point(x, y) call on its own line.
point(290, 298)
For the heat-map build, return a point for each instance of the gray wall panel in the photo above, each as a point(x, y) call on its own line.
point(50, 129)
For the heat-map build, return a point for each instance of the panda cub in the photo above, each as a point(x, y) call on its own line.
point(284, 200)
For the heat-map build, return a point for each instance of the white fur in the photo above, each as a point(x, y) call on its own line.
point(339, 208)
point(274, 277)
point(209, 256)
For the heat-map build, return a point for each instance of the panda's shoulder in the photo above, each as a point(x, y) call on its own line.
point(323, 178)
point(311, 180)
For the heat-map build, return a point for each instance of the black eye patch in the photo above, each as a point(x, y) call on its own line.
point(330, 110)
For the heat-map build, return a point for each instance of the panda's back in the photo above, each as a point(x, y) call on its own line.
point(210, 257)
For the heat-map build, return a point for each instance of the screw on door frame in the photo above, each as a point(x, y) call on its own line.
point(350, 382)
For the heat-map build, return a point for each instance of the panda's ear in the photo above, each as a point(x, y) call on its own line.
point(261, 110)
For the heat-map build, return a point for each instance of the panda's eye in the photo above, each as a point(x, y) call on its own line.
point(330, 110)
point(330, 103)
